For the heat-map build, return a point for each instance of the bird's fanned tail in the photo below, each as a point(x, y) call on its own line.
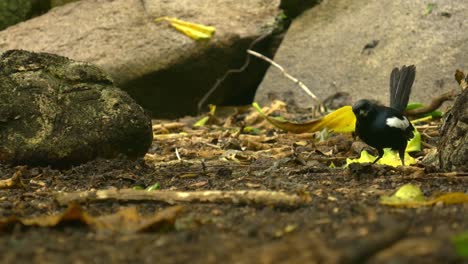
point(401, 81)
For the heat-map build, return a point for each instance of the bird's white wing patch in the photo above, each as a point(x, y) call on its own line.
point(397, 122)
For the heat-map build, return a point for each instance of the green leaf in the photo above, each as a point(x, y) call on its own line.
point(282, 16)
point(460, 243)
point(430, 7)
point(154, 187)
point(251, 130)
point(412, 106)
point(434, 114)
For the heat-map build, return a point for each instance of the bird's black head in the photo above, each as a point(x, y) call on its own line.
point(363, 108)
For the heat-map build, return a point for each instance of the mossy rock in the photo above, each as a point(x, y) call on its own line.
point(59, 112)
point(15, 11)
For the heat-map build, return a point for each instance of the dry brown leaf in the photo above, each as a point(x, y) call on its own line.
point(15, 180)
point(126, 220)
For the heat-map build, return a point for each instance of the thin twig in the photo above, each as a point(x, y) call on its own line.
point(219, 81)
point(450, 174)
point(426, 126)
point(177, 154)
point(427, 145)
point(169, 126)
point(296, 81)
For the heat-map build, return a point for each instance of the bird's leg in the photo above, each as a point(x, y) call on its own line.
point(401, 152)
point(381, 152)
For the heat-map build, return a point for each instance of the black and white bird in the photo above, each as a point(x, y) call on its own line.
point(386, 127)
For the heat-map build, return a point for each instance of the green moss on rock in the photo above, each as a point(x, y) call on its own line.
point(55, 111)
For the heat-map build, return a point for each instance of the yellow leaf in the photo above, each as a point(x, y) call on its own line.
point(364, 158)
point(451, 198)
point(410, 195)
point(415, 143)
point(390, 158)
point(340, 120)
point(422, 119)
point(409, 192)
point(194, 31)
point(202, 122)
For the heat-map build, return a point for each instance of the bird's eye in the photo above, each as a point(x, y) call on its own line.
point(363, 112)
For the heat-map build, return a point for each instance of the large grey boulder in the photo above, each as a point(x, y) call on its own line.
point(56, 111)
point(164, 70)
point(331, 49)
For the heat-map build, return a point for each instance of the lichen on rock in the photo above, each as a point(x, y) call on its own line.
point(56, 111)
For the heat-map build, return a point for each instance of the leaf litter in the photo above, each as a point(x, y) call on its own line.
point(221, 155)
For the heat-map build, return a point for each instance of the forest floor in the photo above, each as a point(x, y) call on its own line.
point(335, 215)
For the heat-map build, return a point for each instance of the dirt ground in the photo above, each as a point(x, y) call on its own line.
point(343, 223)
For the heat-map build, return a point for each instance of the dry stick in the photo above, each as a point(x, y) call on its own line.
point(450, 174)
point(296, 81)
point(177, 154)
point(427, 145)
point(169, 126)
point(460, 175)
point(436, 103)
point(237, 197)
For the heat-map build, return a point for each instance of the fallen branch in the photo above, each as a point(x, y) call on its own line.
point(15, 180)
point(434, 105)
point(269, 198)
point(169, 126)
